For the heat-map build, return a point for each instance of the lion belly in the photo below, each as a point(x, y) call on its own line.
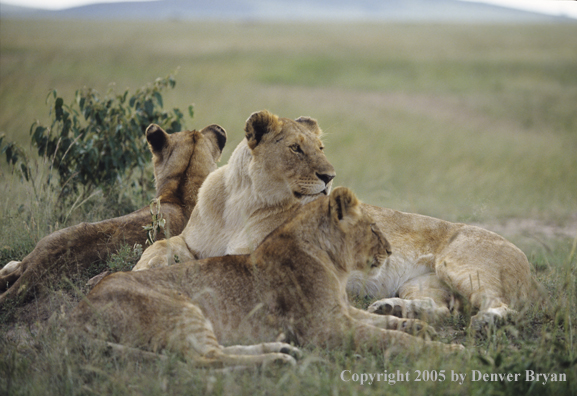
point(391, 276)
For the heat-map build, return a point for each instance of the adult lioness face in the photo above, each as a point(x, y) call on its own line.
point(288, 161)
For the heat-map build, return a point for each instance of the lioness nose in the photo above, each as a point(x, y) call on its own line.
point(325, 178)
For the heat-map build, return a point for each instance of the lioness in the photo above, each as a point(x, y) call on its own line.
point(181, 161)
point(293, 283)
point(279, 166)
point(437, 263)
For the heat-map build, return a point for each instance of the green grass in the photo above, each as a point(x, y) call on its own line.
point(465, 123)
point(462, 122)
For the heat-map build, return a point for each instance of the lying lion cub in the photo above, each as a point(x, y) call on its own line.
point(437, 263)
point(181, 160)
point(277, 168)
point(292, 284)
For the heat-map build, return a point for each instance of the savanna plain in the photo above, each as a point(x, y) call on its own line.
point(468, 123)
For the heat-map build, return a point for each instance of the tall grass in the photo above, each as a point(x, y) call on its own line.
point(54, 361)
point(466, 123)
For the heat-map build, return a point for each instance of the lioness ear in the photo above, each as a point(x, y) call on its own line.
point(156, 138)
point(217, 134)
point(344, 206)
point(259, 124)
point(311, 124)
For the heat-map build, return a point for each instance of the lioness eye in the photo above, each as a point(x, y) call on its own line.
point(321, 148)
point(296, 148)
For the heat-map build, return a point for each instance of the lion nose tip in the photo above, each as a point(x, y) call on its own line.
point(325, 178)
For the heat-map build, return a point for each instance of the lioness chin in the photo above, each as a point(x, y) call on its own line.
point(292, 284)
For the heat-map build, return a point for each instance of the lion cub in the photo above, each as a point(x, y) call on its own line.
point(278, 167)
point(437, 264)
point(292, 284)
point(181, 161)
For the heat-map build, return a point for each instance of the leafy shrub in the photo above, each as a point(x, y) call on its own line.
point(97, 142)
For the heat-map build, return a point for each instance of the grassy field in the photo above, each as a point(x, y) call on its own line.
point(467, 123)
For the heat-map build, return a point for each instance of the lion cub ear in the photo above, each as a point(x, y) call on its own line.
point(217, 135)
point(344, 207)
point(156, 138)
point(259, 124)
point(311, 124)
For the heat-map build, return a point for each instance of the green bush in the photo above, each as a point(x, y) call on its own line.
point(97, 142)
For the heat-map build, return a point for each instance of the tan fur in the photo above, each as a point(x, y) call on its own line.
point(181, 160)
point(436, 264)
point(278, 167)
point(292, 284)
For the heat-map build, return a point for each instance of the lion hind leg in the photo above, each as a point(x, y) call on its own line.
point(491, 317)
point(493, 312)
point(155, 321)
point(484, 291)
point(202, 348)
point(215, 360)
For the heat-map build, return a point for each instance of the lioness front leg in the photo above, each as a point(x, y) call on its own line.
point(164, 253)
point(414, 327)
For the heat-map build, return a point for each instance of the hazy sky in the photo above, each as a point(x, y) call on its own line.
point(555, 7)
point(57, 4)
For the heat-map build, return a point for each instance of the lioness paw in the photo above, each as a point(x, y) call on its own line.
point(490, 318)
point(288, 349)
point(280, 358)
point(281, 347)
point(424, 309)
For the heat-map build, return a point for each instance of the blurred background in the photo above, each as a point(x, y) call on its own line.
point(460, 110)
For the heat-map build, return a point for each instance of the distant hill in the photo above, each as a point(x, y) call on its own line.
point(292, 10)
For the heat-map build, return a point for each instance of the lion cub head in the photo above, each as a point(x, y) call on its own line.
point(287, 158)
point(336, 225)
point(364, 246)
point(183, 160)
